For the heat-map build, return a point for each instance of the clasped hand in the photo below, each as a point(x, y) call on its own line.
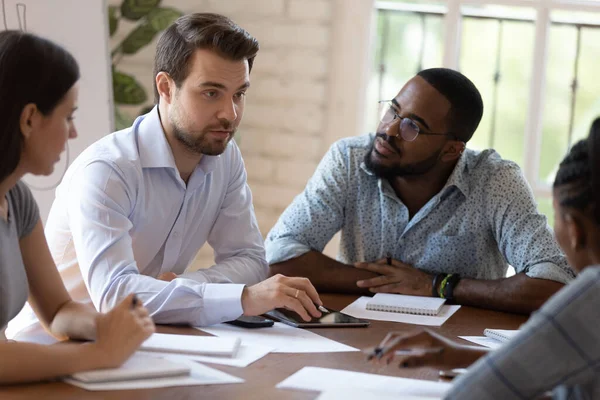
point(395, 278)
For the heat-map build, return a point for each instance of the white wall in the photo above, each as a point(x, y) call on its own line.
point(80, 26)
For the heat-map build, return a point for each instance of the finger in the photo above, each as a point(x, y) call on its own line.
point(420, 339)
point(294, 304)
point(128, 302)
point(387, 288)
point(305, 285)
point(167, 276)
point(148, 323)
point(303, 299)
point(420, 360)
point(141, 312)
point(377, 268)
point(373, 282)
point(307, 302)
point(388, 337)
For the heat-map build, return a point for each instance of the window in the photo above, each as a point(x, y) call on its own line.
point(532, 60)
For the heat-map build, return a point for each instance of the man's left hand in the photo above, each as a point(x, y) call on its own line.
point(396, 278)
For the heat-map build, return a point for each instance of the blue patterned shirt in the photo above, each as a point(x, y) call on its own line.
point(556, 349)
point(483, 219)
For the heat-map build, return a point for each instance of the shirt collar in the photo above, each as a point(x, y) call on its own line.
point(457, 179)
point(459, 176)
point(154, 149)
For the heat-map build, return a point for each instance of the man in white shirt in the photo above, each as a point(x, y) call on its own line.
point(135, 207)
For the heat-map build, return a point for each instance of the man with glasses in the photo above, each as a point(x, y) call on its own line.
point(419, 213)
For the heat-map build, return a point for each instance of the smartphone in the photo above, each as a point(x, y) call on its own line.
point(251, 322)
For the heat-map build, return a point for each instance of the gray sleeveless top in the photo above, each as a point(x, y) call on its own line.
point(23, 215)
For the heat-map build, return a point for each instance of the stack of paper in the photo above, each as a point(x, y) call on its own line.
point(137, 367)
point(198, 374)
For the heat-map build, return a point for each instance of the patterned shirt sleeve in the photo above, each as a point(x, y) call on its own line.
point(557, 347)
point(522, 233)
point(315, 215)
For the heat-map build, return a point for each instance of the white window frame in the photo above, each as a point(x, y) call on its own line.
point(452, 11)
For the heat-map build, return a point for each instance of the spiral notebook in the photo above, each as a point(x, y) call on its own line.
point(502, 335)
point(400, 303)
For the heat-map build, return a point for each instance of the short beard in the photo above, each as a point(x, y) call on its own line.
point(390, 172)
point(199, 144)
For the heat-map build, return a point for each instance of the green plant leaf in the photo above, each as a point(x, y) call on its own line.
point(160, 18)
point(136, 9)
point(122, 121)
point(138, 38)
point(113, 20)
point(127, 90)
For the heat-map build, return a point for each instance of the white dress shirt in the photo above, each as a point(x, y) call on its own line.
point(123, 215)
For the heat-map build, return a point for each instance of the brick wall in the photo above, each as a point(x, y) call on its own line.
point(288, 123)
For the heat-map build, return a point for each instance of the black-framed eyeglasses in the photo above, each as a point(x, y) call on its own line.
point(407, 128)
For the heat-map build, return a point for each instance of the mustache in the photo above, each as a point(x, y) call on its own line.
point(389, 140)
point(223, 125)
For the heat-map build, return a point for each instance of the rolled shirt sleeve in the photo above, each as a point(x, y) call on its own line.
point(522, 233)
point(315, 215)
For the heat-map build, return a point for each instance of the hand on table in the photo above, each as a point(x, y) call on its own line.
point(279, 291)
point(121, 331)
point(424, 348)
point(396, 278)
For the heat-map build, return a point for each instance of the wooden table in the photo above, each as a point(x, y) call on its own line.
point(262, 376)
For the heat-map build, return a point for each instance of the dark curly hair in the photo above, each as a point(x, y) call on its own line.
point(577, 182)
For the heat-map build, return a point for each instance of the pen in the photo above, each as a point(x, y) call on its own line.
point(410, 352)
point(134, 301)
point(379, 352)
point(388, 259)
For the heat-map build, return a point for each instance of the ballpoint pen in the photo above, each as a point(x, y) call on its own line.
point(134, 301)
point(379, 352)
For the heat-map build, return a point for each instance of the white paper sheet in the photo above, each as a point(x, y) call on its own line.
point(324, 379)
point(200, 375)
point(483, 341)
point(357, 394)
point(246, 355)
point(358, 309)
point(191, 345)
point(284, 338)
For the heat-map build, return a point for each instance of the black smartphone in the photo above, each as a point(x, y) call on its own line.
point(251, 322)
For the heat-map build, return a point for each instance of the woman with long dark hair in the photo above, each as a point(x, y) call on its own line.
point(38, 96)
